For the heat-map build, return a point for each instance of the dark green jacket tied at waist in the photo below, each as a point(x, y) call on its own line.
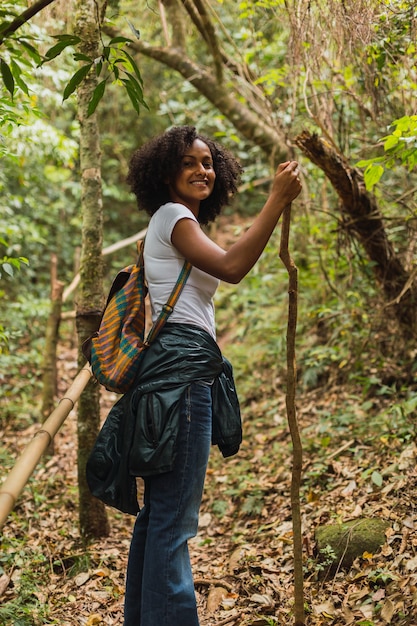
point(139, 435)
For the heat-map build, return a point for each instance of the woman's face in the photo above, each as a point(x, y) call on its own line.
point(195, 180)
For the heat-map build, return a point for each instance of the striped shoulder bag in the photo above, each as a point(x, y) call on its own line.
point(116, 349)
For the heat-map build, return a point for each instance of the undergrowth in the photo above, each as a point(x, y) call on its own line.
point(355, 394)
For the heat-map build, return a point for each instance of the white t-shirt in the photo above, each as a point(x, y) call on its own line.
point(163, 264)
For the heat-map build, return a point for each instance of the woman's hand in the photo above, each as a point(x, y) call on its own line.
point(286, 185)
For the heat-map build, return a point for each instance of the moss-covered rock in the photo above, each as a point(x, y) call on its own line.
point(349, 540)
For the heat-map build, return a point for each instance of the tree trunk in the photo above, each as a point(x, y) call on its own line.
point(362, 218)
point(92, 513)
point(49, 374)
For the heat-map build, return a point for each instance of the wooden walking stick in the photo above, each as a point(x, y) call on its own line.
point(299, 616)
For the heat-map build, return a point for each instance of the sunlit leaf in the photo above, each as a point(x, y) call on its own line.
point(372, 175)
point(8, 268)
point(17, 76)
point(391, 142)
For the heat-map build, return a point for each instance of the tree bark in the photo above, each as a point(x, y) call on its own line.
point(92, 513)
point(361, 217)
point(49, 376)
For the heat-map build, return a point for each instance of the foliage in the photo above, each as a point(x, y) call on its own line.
point(26, 609)
point(115, 63)
point(400, 146)
point(356, 396)
point(8, 265)
point(245, 536)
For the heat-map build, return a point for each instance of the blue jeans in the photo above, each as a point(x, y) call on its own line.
point(159, 583)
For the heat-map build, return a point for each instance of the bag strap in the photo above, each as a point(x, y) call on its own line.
point(168, 308)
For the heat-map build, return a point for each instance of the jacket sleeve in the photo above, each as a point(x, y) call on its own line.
point(227, 421)
point(107, 470)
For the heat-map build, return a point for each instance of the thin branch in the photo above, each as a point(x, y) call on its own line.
point(23, 18)
point(248, 122)
point(240, 70)
point(163, 16)
point(198, 14)
point(297, 463)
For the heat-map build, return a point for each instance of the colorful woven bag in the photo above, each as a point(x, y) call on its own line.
point(116, 349)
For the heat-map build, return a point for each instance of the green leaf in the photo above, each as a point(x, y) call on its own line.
point(134, 67)
point(96, 97)
point(64, 42)
point(132, 95)
point(119, 40)
point(391, 142)
point(70, 38)
point(82, 57)
point(8, 268)
point(76, 80)
point(366, 162)
point(372, 175)
point(99, 66)
point(31, 50)
point(136, 86)
point(377, 479)
point(7, 77)
point(18, 78)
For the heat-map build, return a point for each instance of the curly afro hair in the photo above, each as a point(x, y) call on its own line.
point(159, 160)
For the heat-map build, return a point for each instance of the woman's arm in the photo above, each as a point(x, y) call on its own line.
point(232, 265)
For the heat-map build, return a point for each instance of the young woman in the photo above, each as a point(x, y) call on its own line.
point(182, 180)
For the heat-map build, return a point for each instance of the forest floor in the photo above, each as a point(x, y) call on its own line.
point(243, 556)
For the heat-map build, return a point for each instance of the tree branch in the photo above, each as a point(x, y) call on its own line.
point(361, 215)
point(197, 12)
point(292, 417)
point(248, 123)
point(23, 18)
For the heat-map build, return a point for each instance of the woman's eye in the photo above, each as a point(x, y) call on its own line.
point(189, 164)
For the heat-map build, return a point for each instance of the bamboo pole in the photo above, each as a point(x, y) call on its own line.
point(27, 461)
point(299, 615)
